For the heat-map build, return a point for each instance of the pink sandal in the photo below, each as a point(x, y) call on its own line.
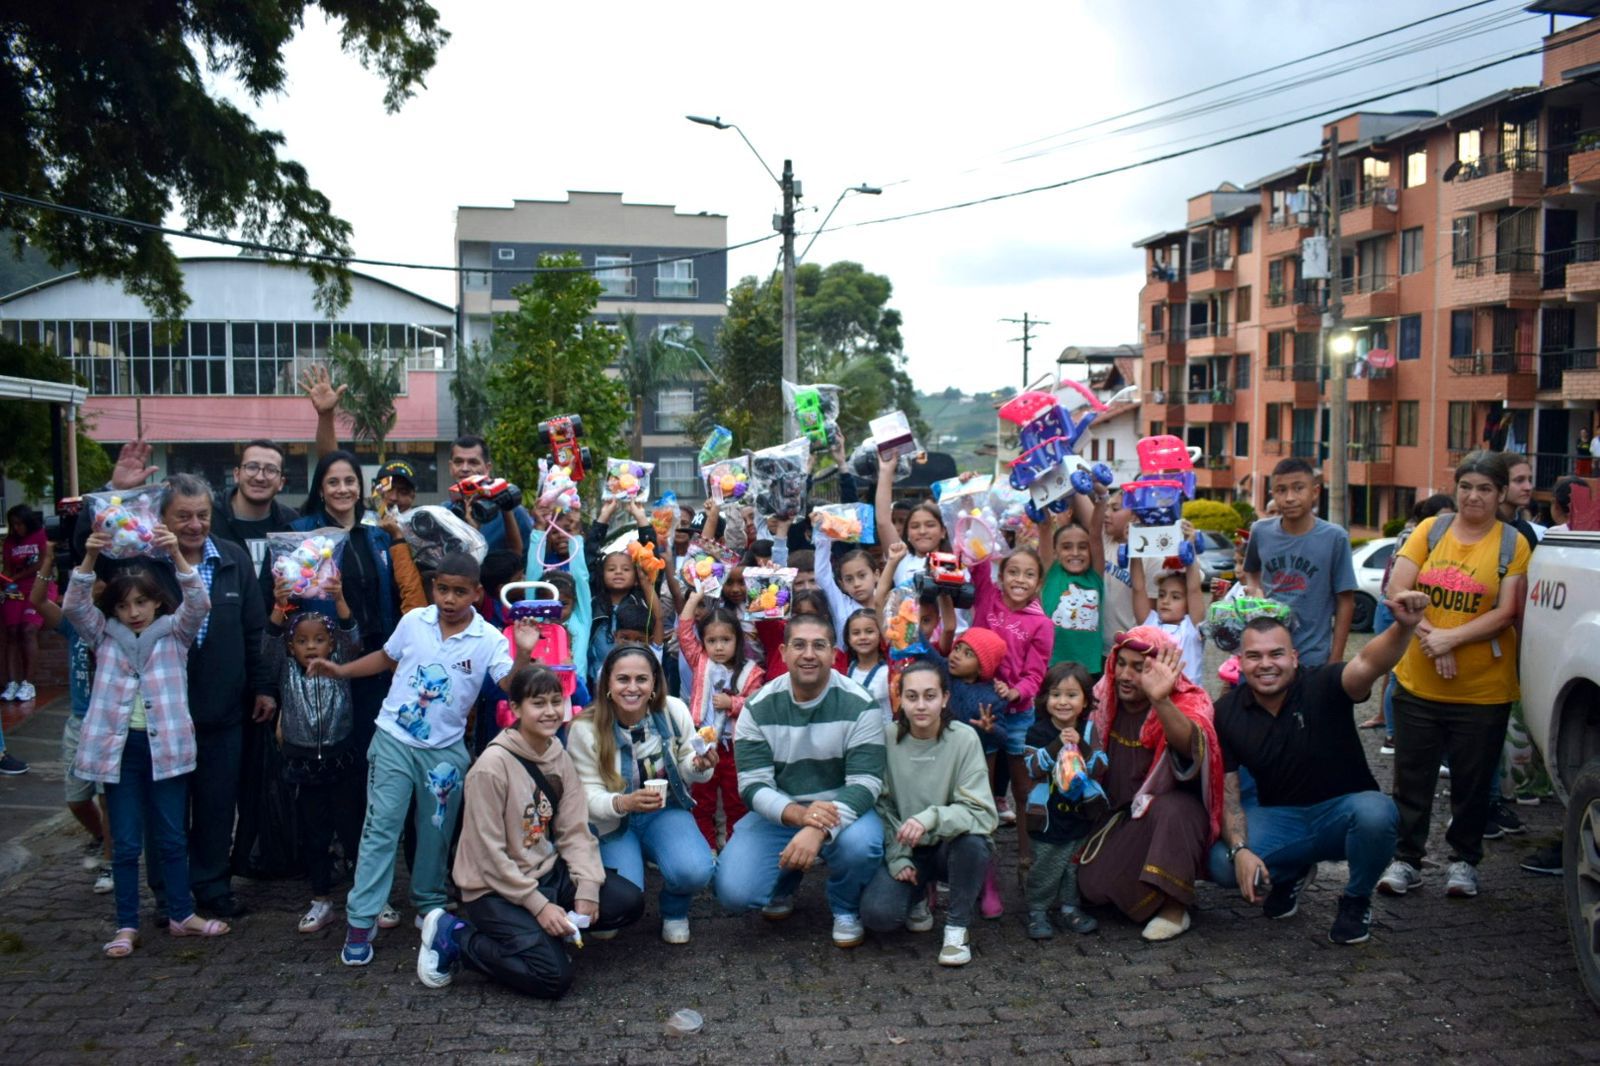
point(208, 927)
point(121, 945)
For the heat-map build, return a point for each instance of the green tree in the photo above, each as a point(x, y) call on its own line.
point(469, 387)
point(648, 362)
point(553, 361)
point(744, 393)
point(372, 379)
point(25, 427)
point(119, 108)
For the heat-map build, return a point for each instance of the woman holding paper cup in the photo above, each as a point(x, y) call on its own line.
point(637, 752)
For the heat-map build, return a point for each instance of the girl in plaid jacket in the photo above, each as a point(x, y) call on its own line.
point(137, 736)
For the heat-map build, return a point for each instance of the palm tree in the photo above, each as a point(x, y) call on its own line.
point(649, 362)
point(372, 380)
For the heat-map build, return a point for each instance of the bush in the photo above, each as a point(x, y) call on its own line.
point(1359, 542)
point(1212, 515)
point(1393, 526)
point(1247, 513)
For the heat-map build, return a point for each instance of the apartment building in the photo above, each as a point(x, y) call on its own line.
point(1468, 279)
point(651, 262)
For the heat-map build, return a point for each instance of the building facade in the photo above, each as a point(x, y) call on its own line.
point(651, 261)
point(1469, 279)
point(230, 372)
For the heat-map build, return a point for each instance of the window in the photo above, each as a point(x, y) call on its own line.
point(1247, 234)
point(208, 358)
point(1469, 148)
point(1241, 440)
point(1158, 318)
point(1460, 333)
point(1416, 168)
point(1275, 348)
point(673, 407)
point(1158, 376)
point(1411, 259)
point(1241, 370)
point(1460, 427)
point(1242, 312)
point(1221, 244)
point(1374, 175)
point(1411, 337)
point(678, 333)
point(506, 255)
point(1463, 240)
point(676, 473)
point(244, 359)
point(1157, 428)
point(615, 274)
point(1405, 423)
point(1513, 236)
point(675, 280)
point(1275, 282)
point(1274, 423)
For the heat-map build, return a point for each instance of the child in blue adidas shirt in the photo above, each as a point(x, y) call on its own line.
point(439, 656)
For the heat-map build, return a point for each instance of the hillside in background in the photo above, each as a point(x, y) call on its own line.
point(962, 424)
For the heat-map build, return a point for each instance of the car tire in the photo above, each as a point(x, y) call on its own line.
point(1366, 610)
point(1581, 865)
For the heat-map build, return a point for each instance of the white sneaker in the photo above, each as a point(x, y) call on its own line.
point(675, 930)
point(847, 930)
point(318, 916)
point(1461, 880)
point(103, 882)
point(956, 951)
point(10, 692)
point(778, 909)
point(25, 692)
point(389, 918)
point(1159, 928)
point(919, 919)
point(1399, 878)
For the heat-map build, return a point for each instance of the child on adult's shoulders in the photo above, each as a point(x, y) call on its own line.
point(1179, 608)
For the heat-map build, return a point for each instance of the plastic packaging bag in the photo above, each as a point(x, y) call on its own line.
point(434, 532)
point(706, 565)
point(977, 537)
point(902, 624)
point(719, 442)
point(129, 518)
point(892, 433)
point(816, 411)
point(863, 463)
point(956, 496)
point(1009, 506)
point(557, 490)
point(665, 515)
point(778, 479)
point(627, 480)
point(308, 561)
point(767, 592)
point(847, 523)
point(727, 479)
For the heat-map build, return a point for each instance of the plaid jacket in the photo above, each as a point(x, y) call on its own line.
point(155, 663)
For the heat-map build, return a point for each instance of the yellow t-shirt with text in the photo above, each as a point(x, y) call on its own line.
point(1462, 582)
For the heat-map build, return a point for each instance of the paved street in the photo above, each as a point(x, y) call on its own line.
point(1490, 979)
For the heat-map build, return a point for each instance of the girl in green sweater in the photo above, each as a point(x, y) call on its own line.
point(937, 811)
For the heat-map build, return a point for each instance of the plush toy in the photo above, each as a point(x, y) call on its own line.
point(903, 627)
point(645, 558)
point(557, 489)
point(309, 567)
point(131, 528)
point(443, 779)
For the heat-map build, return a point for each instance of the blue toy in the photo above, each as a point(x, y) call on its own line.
point(1047, 468)
point(430, 682)
point(1067, 774)
point(1156, 498)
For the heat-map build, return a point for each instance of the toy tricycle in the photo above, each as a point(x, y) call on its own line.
point(562, 435)
point(553, 650)
point(1165, 456)
point(944, 576)
point(1158, 505)
point(1047, 469)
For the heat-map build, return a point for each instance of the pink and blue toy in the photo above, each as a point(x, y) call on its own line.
point(1048, 468)
point(1166, 479)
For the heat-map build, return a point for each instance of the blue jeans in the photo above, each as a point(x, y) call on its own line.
point(670, 839)
point(1359, 828)
point(748, 874)
point(136, 803)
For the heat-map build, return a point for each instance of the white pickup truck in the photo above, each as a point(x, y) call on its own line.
point(1561, 699)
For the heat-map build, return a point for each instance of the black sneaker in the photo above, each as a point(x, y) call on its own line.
point(11, 766)
point(1284, 899)
point(1547, 860)
point(1353, 924)
point(1502, 821)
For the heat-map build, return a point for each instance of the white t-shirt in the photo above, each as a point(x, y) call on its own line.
point(876, 681)
point(909, 566)
point(1187, 637)
point(437, 680)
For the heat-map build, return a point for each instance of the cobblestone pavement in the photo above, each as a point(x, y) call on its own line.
point(1490, 979)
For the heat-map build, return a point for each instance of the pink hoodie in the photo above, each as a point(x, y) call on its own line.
point(1028, 634)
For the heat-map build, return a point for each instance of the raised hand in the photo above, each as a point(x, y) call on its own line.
point(319, 389)
point(1161, 673)
point(132, 468)
point(985, 719)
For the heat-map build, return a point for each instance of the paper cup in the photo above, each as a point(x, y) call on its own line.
point(657, 784)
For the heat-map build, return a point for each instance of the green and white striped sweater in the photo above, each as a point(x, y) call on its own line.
point(829, 749)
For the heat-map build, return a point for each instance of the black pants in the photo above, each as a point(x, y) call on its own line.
point(1472, 736)
point(335, 808)
point(505, 943)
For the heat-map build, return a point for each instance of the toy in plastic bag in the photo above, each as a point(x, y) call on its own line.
point(892, 434)
point(816, 411)
point(558, 491)
point(664, 516)
point(767, 592)
point(706, 565)
point(902, 624)
point(1009, 506)
point(308, 561)
point(847, 523)
point(977, 536)
point(1226, 619)
point(778, 479)
point(727, 479)
point(863, 463)
point(434, 532)
point(1068, 774)
point(129, 519)
point(627, 480)
point(717, 446)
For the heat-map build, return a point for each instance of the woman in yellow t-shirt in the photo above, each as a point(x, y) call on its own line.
point(1459, 676)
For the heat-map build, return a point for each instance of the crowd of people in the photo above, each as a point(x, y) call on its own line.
point(410, 713)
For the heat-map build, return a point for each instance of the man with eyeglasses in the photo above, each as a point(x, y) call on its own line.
point(251, 510)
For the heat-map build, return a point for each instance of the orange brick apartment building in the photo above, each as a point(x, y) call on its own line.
point(1470, 278)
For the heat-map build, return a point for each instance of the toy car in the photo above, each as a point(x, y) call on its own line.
point(541, 609)
point(944, 576)
point(486, 496)
point(1225, 621)
point(808, 414)
point(561, 436)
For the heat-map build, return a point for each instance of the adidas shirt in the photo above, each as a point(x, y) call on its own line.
point(437, 680)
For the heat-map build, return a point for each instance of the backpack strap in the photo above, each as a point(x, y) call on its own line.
point(1436, 532)
point(540, 782)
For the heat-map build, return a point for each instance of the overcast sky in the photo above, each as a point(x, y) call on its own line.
point(930, 101)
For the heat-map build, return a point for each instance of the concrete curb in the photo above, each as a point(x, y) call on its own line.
point(15, 854)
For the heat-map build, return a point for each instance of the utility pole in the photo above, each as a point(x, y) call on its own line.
point(1027, 323)
point(1338, 405)
point(791, 341)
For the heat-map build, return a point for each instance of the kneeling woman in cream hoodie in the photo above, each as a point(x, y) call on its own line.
point(527, 862)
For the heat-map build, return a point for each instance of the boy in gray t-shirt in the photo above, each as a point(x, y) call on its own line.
point(1302, 561)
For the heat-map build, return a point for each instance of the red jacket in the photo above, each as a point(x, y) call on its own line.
point(748, 679)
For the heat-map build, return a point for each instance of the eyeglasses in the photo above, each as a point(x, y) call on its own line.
point(266, 470)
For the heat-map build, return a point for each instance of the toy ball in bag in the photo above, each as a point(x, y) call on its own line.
point(767, 592)
point(727, 479)
point(309, 562)
point(705, 566)
point(976, 538)
point(129, 519)
point(627, 480)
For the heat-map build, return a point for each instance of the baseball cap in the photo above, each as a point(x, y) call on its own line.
point(397, 469)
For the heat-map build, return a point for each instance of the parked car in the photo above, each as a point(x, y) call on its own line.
point(1370, 560)
point(1216, 560)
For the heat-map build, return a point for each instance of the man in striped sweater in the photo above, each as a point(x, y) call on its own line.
point(810, 752)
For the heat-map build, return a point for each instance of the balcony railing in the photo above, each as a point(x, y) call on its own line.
point(1307, 372)
point(1480, 363)
point(617, 286)
point(1219, 462)
point(1383, 195)
point(1359, 369)
point(1365, 283)
point(1304, 449)
point(1363, 452)
point(1275, 373)
point(1299, 294)
point(1518, 159)
point(1548, 467)
point(1163, 273)
point(1198, 330)
point(1272, 446)
point(1288, 220)
point(677, 288)
point(1220, 394)
point(1512, 261)
point(1198, 264)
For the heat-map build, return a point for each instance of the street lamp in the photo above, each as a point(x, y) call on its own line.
point(784, 224)
point(864, 189)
